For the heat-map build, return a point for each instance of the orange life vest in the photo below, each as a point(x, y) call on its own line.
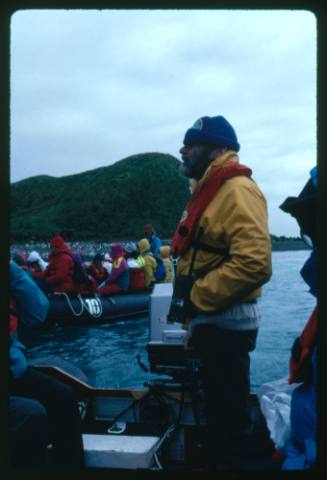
point(300, 361)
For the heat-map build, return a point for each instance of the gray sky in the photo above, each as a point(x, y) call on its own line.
point(89, 88)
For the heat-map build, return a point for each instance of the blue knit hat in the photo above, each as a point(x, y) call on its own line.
point(212, 131)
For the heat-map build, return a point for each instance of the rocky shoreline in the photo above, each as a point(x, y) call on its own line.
point(88, 248)
point(289, 245)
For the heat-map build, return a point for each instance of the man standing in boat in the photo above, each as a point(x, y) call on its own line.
point(224, 255)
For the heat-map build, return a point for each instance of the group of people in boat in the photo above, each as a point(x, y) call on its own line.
point(44, 409)
point(130, 267)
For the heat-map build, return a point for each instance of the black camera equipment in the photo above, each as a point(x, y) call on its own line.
point(180, 302)
point(182, 371)
point(173, 361)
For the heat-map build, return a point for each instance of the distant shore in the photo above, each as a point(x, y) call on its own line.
point(288, 245)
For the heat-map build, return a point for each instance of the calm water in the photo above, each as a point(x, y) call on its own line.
point(107, 353)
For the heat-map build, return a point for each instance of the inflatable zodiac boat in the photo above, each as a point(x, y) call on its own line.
point(65, 309)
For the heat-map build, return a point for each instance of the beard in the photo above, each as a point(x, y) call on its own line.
point(195, 166)
point(188, 168)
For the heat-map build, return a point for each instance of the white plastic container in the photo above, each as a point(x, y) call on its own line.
point(173, 336)
point(159, 307)
point(119, 451)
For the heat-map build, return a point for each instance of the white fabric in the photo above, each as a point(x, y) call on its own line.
point(132, 263)
point(35, 257)
point(275, 404)
point(107, 266)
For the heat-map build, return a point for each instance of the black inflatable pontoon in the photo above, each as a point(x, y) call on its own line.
point(97, 309)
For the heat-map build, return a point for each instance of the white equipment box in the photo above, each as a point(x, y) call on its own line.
point(160, 330)
point(120, 451)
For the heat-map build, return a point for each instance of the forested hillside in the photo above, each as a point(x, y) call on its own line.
point(105, 203)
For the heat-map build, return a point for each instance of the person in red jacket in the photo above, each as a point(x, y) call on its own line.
point(58, 275)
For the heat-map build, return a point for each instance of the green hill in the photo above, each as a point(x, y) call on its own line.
point(101, 204)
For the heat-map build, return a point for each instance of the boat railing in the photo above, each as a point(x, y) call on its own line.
point(84, 389)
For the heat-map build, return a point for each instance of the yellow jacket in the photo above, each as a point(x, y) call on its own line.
point(149, 268)
point(169, 270)
point(150, 264)
point(164, 253)
point(235, 219)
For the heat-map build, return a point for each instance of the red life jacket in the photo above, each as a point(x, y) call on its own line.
point(300, 365)
point(199, 200)
point(98, 273)
point(137, 279)
point(13, 318)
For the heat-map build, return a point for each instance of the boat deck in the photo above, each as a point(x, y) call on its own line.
point(162, 414)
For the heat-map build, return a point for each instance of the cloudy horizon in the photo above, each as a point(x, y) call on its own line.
point(89, 88)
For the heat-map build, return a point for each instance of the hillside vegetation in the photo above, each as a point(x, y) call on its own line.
point(101, 204)
point(107, 203)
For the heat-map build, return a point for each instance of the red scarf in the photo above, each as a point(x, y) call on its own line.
point(307, 341)
point(199, 200)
